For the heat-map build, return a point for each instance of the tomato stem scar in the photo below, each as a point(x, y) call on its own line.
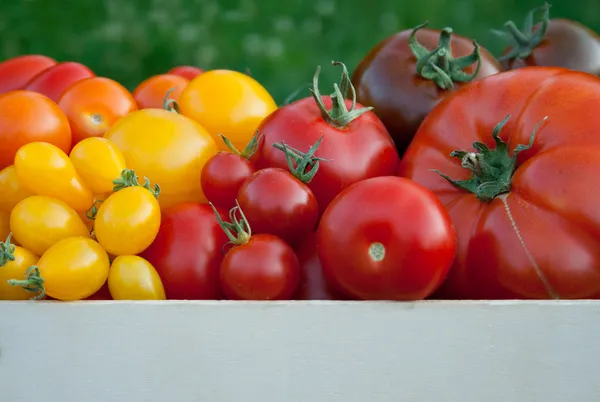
point(377, 251)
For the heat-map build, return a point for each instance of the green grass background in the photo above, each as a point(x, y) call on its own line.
point(280, 41)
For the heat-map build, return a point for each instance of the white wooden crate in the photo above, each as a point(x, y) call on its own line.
point(512, 351)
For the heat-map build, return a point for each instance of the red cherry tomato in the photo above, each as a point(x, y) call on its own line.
point(386, 238)
point(54, 81)
point(189, 72)
point(225, 172)
point(187, 252)
point(15, 73)
point(257, 267)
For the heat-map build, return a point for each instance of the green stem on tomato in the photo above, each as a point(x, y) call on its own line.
point(7, 251)
point(238, 231)
point(33, 282)
point(93, 211)
point(170, 104)
point(299, 162)
point(250, 149)
point(128, 178)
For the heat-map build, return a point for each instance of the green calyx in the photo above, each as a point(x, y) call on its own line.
point(299, 162)
point(129, 179)
point(238, 231)
point(7, 251)
point(438, 65)
point(492, 168)
point(170, 104)
point(33, 282)
point(250, 149)
point(339, 116)
point(523, 42)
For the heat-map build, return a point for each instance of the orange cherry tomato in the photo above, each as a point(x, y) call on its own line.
point(18, 71)
point(11, 190)
point(94, 104)
point(26, 116)
point(229, 103)
point(151, 92)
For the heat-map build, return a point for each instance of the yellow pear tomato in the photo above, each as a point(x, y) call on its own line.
point(169, 148)
point(11, 190)
point(227, 102)
point(38, 222)
point(14, 263)
point(45, 169)
point(133, 278)
point(98, 162)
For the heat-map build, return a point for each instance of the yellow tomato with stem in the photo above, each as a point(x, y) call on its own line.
point(227, 102)
point(14, 263)
point(71, 269)
point(11, 190)
point(38, 222)
point(127, 222)
point(167, 147)
point(45, 169)
point(98, 162)
point(133, 278)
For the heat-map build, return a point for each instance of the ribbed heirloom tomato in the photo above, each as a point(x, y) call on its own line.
point(15, 73)
point(522, 190)
point(54, 81)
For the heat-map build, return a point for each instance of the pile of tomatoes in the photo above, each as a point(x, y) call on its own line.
point(433, 171)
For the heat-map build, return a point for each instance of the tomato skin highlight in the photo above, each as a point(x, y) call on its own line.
point(386, 238)
point(151, 92)
point(264, 268)
point(187, 252)
point(222, 177)
point(54, 81)
point(15, 73)
point(275, 202)
point(133, 278)
point(188, 72)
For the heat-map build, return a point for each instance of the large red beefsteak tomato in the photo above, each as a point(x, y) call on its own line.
point(518, 160)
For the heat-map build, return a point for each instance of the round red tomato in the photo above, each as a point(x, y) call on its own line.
point(355, 142)
point(386, 238)
point(15, 73)
point(188, 72)
point(406, 75)
point(187, 252)
point(526, 200)
point(54, 81)
point(555, 42)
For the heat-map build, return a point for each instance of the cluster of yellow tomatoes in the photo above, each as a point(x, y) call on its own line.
point(76, 213)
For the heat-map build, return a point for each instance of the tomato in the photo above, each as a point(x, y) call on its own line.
point(188, 72)
point(4, 224)
point(14, 263)
point(38, 222)
point(280, 203)
point(25, 117)
point(404, 79)
point(15, 73)
point(98, 162)
point(386, 238)
point(151, 92)
point(127, 221)
point(167, 147)
point(225, 172)
point(188, 251)
point(11, 189)
point(94, 104)
point(525, 214)
point(102, 294)
point(72, 269)
point(133, 278)
point(227, 102)
point(355, 145)
point(554, 42)
point(258, 266)
point(54, 81)
point(45, 169)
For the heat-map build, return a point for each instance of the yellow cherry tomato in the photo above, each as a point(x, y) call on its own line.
point(98, 162)
point(45, 169)
point(11, 190)
point(133, 278)
point(14, 263)
point(169, 148)
point(127, 222)
point(74, 268)
point(227, 102)
point(38, 222)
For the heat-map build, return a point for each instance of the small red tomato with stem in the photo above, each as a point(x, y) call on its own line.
point(278, 201)
point(54, 81)
point(189, 72)
point(223, 175)
point(258, 266)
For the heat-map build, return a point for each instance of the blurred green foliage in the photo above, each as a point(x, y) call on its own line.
point(280, 41)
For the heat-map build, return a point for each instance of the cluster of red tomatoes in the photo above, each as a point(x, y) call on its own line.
point(434, 171)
